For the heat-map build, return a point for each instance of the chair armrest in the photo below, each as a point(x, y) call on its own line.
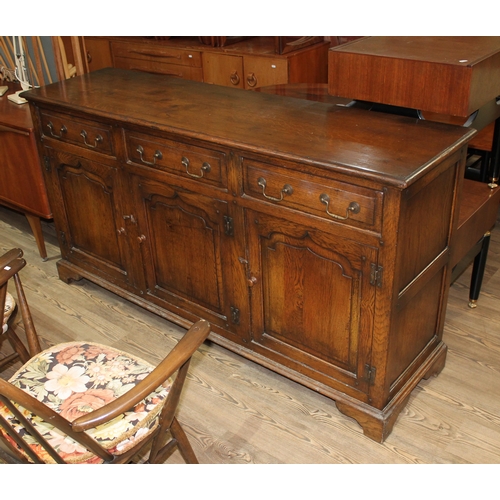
point(16, 395)
point(13, 262)
point(181, 353)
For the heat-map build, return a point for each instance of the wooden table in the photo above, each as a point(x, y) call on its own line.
point(21, 180)
point(455, 76)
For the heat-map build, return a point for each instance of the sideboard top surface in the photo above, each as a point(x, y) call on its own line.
point(393, 149)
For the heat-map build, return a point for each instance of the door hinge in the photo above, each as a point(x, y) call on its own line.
point(370, 372)
point(376, 275)
point(228, 226)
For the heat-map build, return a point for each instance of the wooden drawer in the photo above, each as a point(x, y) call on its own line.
point(161, 68)
point(158, 53)
point(332, 200)
point(85, 133)
point(178, 158)
point(263, 71)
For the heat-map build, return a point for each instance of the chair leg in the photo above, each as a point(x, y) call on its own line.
point(17, 345)
point(182, 442)
point(478, 271)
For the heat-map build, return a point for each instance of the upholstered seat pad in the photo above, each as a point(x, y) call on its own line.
point(76, 378)
point(10, 305)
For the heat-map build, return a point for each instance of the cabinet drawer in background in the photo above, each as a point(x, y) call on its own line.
point(161, 68)
point(85, 133)
point(332, 200)
point(158, 53)
point(178, 158)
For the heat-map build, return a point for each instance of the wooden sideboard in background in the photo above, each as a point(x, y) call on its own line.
point(248, 63)
point(22, 186)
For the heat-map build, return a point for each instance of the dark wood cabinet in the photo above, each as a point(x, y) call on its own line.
point(314, 238)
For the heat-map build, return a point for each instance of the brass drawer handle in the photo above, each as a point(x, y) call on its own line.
point(63, 130)
point(98, 139)
point(234, 78)
point(287, 190)
point(157, 156)
point(353, 207)
point(251, 80)
point(205, 168)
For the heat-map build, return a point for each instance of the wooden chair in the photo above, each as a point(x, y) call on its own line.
point(477, 217)
point(83, 402)
point(10, 264)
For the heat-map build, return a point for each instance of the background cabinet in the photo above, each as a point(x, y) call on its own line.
point(22, 186)
point(247, 63)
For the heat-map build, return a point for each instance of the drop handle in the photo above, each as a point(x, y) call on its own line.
point(234, 78)
point(286, 190)
point(205, 168)
point(353, 208)
point(251, 80)
point(157, 156)
point(63, 130)
point(98, 139)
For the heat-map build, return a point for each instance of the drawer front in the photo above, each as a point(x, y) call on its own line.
point(88, 134)
point(332, 200)
point(161, 68)
point(263, 71)
point(157, 53)
point(178, 158)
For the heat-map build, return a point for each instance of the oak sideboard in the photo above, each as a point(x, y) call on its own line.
point(314, 238)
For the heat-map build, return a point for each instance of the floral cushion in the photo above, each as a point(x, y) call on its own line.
point(76, 378)
point(10, 305)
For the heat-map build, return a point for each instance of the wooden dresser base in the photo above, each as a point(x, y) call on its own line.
point(313, 238)
point(376, 424)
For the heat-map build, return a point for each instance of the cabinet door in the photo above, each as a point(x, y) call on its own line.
point(98, 53)
point(88, 215)
point(192, 254)
point(312, 301)
point(263, 71)
point(222, 69)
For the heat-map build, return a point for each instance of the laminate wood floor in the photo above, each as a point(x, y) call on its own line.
point(236, 412)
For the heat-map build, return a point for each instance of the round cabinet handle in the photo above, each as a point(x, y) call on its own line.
point(251, 80)
point(234, 78)
point(98, 139)
point(205, 168)
point(89, 57)
point(63, 130)
point(287, 190)
point(141, 238)
point(353, 208)
point(157, 156)
point(252, 281)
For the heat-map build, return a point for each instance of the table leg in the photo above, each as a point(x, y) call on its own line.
point(495, 155)
point(36, 227)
